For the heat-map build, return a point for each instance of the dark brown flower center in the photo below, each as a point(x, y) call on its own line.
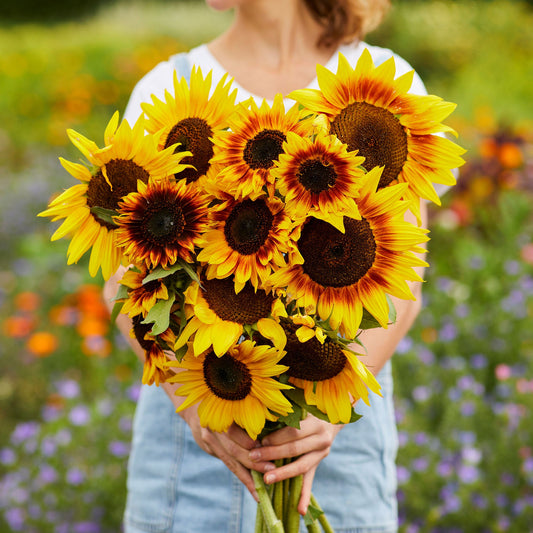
point(123, 175)
point(311, 360)
point(335, 259)
point(377, 134)
point(194, 134)
point(162, 223)
point(228, 378)
point(248, 225)
point(264, 149)
point(316, 176)
point(140, 330)
point(246, 307)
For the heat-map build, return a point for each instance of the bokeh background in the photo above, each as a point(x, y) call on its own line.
point(464, 381)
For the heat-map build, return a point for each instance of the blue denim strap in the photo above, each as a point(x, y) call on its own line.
point(181, 66)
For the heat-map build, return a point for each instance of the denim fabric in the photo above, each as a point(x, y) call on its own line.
point(175, 487)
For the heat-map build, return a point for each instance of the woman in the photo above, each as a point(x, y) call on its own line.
point(183, 477)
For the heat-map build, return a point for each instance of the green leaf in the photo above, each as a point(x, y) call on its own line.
point(159, 315)
point(392, 310)
point(116, 310)
point(312, 514)
point(105, 215)
point(180, 352)
point(122, 293)
point(160, 273)
point(292, 419)
point(368, 321)
point(191, 271)
point(298, 397)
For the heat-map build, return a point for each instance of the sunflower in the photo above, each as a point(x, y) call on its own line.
point(371, 111)
point(247, 239)
point(190, 117)
point(217, 315)
point(319, 177)
point(161, 223)
point(128, 158)
point(247, 153)
point(141, 296)
point(331, 376)
point(237, 387)
point(343, 272)
point(155, 368)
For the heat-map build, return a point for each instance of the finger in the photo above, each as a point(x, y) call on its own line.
point(314, 442)
point(302, 465)
point(242, 455)
point(305, 495)
point(242, 438)
point(242, 473)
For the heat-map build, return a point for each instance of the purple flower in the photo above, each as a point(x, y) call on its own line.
point(68, 388)
point(421, 393)
point(48, 446)
point(134, 392)
point(79, 415)
point(47, 474)
point(63, 437)
point(403, 438)
point(476, 262)
point(512, 267)
point(105, 407)
point(426, 355)
point(466, 437)
point(471, 455)
point(507, 479)
point(527, 465)
point(119, 448)
point(15, 518)
point(402, 474)
point(448, 332)
point(468, 408)
point(462, 311)
point(404, 345)
point(125, 424)
point(420, 438)
point(24, 431)
point(420, 464)
point(75, 476)
point(445, 469)
point(478, 361)
point(479, 501)
point(468, 473)
point(86, 527)
point(7, 456)
point(50, 413)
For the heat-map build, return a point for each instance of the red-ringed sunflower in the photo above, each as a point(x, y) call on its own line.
point(343, 272)
point(155, 369)
point(237, 387)
point(217, 315)
point(372, 112)
point(331, 376)
point(128, 158)
point(247, 239)
point(190, 117)
point(247, 153)
point(318, 177)
point(141, 296)
point(162, 222)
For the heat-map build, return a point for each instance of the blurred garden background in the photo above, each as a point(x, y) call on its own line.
point(464, 380)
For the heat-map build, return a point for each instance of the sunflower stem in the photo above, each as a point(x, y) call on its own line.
point(259, 521)
point(313, 528)
point(293, 520)
point(326, 526)
point(273, 523)
point(278, 494)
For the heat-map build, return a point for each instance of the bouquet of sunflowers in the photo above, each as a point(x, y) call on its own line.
point(260, 241)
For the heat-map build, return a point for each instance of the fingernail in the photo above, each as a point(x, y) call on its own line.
point(255, 455)
point(270, 478)
point(256, 496)
point(265, 442)
point(269, 467)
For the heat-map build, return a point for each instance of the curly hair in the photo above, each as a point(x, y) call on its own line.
point(346, 20)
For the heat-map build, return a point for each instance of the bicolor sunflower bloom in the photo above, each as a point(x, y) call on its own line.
point(246, 154)
point(161, 223)
point(141, 296)
point(247, 239)
point(128, 158)
point(216, 315)
point(155, 369)
point(238, 387)
point(318, 177)
point(372, 112)
point(332, 378)
point(343, 272)
point(190, 117)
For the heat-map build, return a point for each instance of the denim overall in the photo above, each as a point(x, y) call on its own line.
point(175, 487)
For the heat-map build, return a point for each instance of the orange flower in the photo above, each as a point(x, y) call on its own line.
point(42, 343)
point(18, 326)
point(27, 301)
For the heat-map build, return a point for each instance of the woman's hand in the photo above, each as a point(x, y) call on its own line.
point(310, 444)
point(232, 448)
